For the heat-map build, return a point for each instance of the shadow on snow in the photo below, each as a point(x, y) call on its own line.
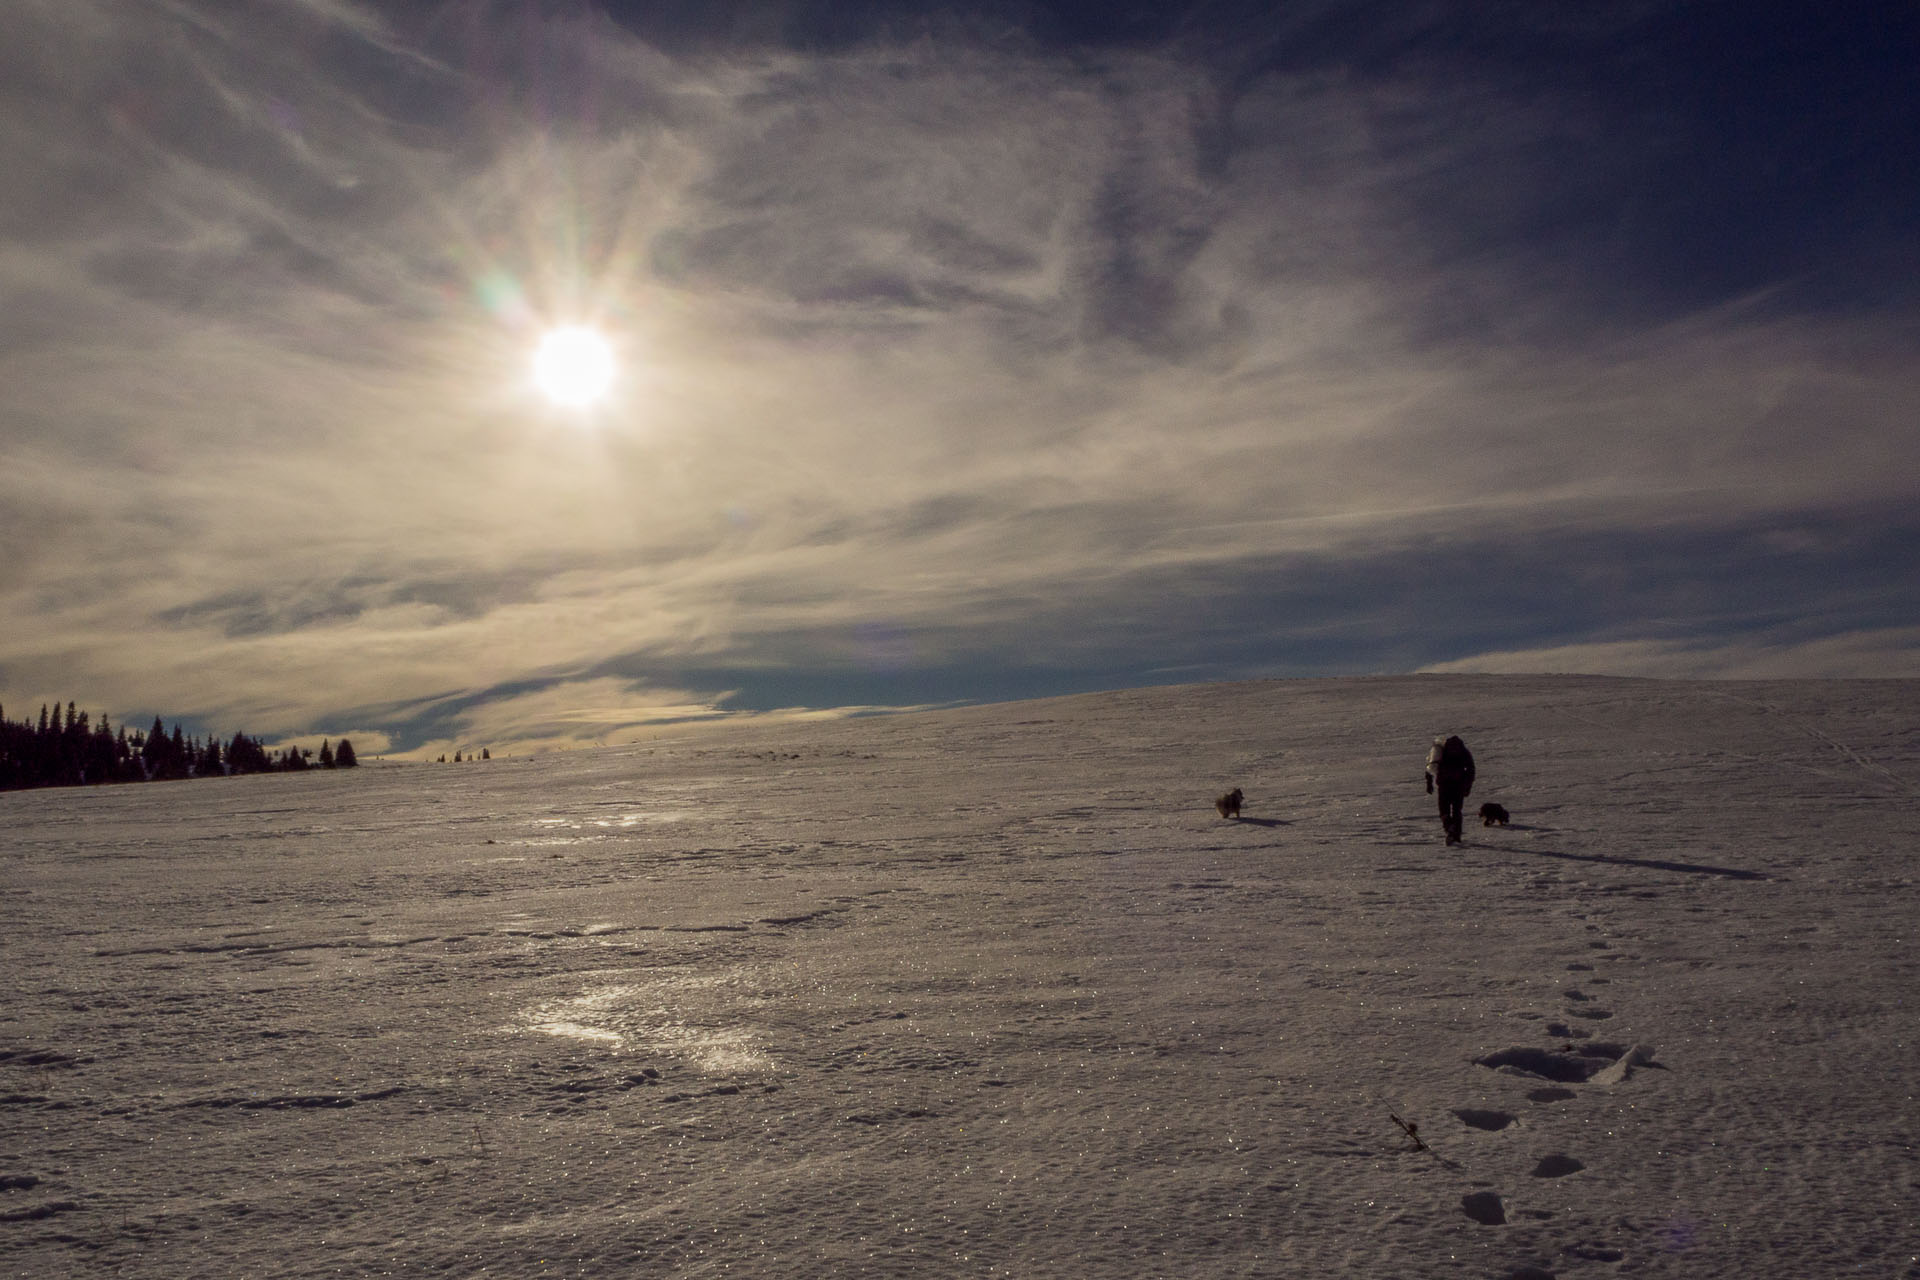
point(1691, 868)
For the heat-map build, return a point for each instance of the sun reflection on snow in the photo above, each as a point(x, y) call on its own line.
point(658, 1016)
point(648, 817)
point(575, 1031)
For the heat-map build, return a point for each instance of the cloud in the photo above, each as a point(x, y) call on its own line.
point(1891, 653)
point(367, 743)
point(951, 365)
point(560, 716)
point(566, 714)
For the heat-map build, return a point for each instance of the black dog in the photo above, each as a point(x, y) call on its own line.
point(1491, 813)
point(1229, 804)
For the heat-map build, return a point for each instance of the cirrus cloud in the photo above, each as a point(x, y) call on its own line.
point(955, 366)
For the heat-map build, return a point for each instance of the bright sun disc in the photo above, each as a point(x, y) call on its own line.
point(574, 366)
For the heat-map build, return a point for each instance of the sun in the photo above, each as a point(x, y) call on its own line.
point(574, 366)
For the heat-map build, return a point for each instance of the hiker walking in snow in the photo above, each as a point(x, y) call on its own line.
point(1450, 775)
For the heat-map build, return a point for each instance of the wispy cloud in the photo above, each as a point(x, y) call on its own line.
point(941, 355)
point(559, 715)
point(1892, 653)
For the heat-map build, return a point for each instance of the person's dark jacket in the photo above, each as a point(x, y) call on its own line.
point(1450, 766)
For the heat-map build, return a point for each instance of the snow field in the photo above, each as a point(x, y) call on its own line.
point(994, 991)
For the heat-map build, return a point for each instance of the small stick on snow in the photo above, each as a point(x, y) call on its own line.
point(1412, 1129)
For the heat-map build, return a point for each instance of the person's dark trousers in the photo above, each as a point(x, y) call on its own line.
point(1451, 798)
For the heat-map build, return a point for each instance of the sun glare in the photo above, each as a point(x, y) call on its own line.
point(573, 366)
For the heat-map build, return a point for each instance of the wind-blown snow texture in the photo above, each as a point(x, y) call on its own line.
point(994, 992)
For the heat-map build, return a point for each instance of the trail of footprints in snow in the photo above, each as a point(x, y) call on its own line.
point(1575, 1059)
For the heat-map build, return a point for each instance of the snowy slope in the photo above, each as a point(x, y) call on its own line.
point(995, 992)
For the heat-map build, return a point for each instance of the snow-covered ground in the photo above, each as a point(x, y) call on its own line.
point(995, 992)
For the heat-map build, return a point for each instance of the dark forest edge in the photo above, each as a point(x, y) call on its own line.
point(77, 753)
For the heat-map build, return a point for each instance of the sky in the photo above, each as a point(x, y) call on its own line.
point(963, 354)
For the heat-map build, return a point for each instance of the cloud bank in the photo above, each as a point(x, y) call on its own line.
point(958, 361)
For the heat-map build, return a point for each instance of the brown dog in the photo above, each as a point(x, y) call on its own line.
point(1229, 804)
point(1491, 813)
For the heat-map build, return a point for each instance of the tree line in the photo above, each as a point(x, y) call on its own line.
point(75, 752)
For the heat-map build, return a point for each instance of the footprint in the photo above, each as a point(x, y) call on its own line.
point(1640, 1055)
point(1604, 1062)
point(1557, 1165)
point(1567, 1068)
point(1491, 1121)
point(1551, 1095)
point(1484, 1207)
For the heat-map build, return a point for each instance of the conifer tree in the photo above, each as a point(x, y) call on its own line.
point(246, 755)
point(66, 747)
point(153, 750)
